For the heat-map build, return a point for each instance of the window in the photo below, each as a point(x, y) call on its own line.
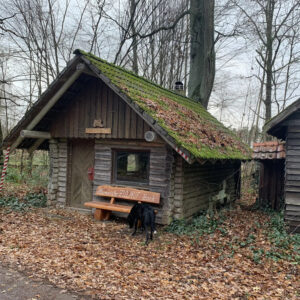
point(131, 166)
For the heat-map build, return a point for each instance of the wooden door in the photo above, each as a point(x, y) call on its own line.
point(81, 158)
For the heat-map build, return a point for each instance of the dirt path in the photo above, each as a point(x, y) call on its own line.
point(17, 286)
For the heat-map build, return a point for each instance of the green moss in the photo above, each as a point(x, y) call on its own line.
point(160, 103)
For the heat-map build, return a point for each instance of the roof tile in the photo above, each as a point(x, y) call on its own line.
point(269, 150)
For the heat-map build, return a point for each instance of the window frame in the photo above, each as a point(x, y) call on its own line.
point(115, 166)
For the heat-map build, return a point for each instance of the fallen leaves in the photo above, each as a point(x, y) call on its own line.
point(103, 260)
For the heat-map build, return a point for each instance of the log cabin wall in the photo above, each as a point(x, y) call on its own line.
point(198, 186)
point(292, 173)
point(161, 160)
point(96, 101)
point(57, 184)
point(176, 190)
point(203, 183)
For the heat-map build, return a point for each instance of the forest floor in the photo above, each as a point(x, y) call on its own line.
point(239, 259)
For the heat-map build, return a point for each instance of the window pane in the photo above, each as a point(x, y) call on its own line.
point(132, 166)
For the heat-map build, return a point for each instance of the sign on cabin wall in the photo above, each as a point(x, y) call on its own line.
point(98, 130)
point(128, 194)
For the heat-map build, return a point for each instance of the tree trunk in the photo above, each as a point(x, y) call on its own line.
point(202, 56)
point(135, 67)
point(269, 66)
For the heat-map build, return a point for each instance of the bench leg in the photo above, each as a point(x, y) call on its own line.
point(101, 214)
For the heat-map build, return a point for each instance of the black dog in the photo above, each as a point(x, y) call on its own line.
point(146, 215)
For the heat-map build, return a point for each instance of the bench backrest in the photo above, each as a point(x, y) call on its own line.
point(127, 194)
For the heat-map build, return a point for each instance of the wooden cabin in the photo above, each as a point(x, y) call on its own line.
point(105, 125)
point(286, 126)
point(271, 159)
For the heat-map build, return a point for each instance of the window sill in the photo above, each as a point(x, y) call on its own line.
point(144, 186)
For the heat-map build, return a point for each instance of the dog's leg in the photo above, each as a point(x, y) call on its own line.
point(147, 235)
point(142, 225)
point(154, 225)
point(135, 226)
point(151, 233)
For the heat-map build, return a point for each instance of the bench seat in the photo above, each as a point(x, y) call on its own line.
point(109, 206)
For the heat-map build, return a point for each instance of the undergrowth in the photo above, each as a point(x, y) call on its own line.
point(284, 245)
point(203, 223)
point(28, 201)
point(37, 177)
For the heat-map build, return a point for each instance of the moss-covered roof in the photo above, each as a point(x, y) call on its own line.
point(190, 125)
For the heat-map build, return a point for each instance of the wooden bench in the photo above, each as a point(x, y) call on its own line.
point(104, 209)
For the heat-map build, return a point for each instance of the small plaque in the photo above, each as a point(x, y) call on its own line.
point(98, 130)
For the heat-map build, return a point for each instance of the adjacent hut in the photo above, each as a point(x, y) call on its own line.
point(105, 125)
point(286, 126)
point(271, 159)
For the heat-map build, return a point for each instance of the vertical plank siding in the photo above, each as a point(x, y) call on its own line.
point(97, 101)
point(271, 183)
point(292, 176)
point(80, 159)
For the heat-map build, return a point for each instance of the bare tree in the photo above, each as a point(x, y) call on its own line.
point(43, 37)
point(271, 22)
point(154, 39)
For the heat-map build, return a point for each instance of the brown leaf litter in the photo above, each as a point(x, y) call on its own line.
point(103, 260)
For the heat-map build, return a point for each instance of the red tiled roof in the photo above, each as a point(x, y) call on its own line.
point(269, 150)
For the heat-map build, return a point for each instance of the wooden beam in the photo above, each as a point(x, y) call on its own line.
point(98, 130)
point(36, 144)
point(51, 102)
point(35, 134)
